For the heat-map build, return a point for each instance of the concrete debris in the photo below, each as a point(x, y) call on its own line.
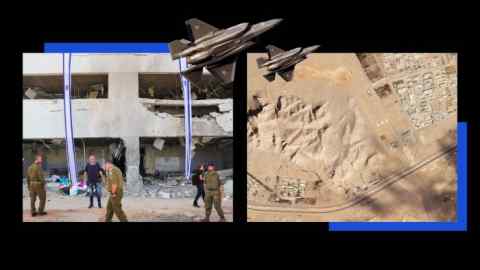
point(205, 139)
point(228, 188)
point(163, 195)
point(58, 141)
point(92, 94)
point(227, 106)
point(151, 91)
point(223, 117)
point(175, 187)
point(159, 143)
point(46, 145)
point(225, 121)
point(98, 88)
point(193, 96)
point(30, 93)
point(36, 93)
point(151, 189)
point(196, 140)
point(163, 115)
point(228, 173)
point(116, 149)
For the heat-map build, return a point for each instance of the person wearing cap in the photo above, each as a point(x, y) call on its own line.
point(213, 190)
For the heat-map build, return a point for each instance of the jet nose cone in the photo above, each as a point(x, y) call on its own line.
point(269, 24)
point(274, 22)
point(311, 48)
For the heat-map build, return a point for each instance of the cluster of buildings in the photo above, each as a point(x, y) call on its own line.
point(429, 96)
point(426, 83)
point(284, 189)
point(291, 188)
point(395, 63)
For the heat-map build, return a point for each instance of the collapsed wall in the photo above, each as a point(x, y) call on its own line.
point(131, 104)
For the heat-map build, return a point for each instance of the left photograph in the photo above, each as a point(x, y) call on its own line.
point(124, 137)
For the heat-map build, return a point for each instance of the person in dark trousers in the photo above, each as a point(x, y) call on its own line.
point(197, 180)
point(93, 175)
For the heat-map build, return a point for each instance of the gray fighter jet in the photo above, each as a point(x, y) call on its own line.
point(216, 49)
point(283, 62)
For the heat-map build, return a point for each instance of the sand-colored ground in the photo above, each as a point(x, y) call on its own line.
point(321, 141)
point(67, 209)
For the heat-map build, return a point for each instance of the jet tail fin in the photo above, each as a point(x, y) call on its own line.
point(261, 61)
point(198, 28)
point(270, 76)
point(273, 50)
point(177, 46)
point(287, 74)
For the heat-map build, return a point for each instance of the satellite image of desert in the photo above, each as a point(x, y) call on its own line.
point(354, 137)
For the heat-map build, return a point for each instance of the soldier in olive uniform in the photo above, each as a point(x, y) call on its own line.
point(115, 188)
point(213, 193)
point(36, 186)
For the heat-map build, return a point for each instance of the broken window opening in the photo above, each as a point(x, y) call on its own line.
point(168, 86)
point(178, 110)
point(84, 86)
point(54, 156)
point(164, 158)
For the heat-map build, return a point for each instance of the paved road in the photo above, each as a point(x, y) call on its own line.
point(379, 186)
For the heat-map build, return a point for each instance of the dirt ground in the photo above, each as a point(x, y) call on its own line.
point(431, 199)
point(325, 139)
point(75, 209)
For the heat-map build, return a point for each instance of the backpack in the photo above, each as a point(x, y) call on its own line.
point(195, 178)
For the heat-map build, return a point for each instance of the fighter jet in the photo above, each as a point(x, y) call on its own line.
point(215, 49)
point(283, 62)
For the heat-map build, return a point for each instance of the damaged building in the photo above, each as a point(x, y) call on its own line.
point(125, 107)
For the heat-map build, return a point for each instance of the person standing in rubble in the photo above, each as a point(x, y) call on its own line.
point(93, 175)
point(115, 188)
point(213, 193)
point(197, 180)
point(36, 186)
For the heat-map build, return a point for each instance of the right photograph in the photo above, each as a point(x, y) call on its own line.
point(351, 136)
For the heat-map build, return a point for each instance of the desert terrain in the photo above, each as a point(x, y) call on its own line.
point(353, 137)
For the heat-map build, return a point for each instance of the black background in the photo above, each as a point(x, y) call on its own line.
point(361, 29)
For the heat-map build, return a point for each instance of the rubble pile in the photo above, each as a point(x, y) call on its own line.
point(172, 189)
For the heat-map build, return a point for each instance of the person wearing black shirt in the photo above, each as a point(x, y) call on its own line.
point(197, 180)
point(94, 180)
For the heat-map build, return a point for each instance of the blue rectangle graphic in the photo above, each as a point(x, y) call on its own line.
point(459, 225)
point(105, 47)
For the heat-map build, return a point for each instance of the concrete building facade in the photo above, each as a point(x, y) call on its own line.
point(123, 114)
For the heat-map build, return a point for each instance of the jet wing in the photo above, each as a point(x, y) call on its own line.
point(287, 74)
point(272, 51)
point(224, 72)
point(270, 76)
point(198, 28)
